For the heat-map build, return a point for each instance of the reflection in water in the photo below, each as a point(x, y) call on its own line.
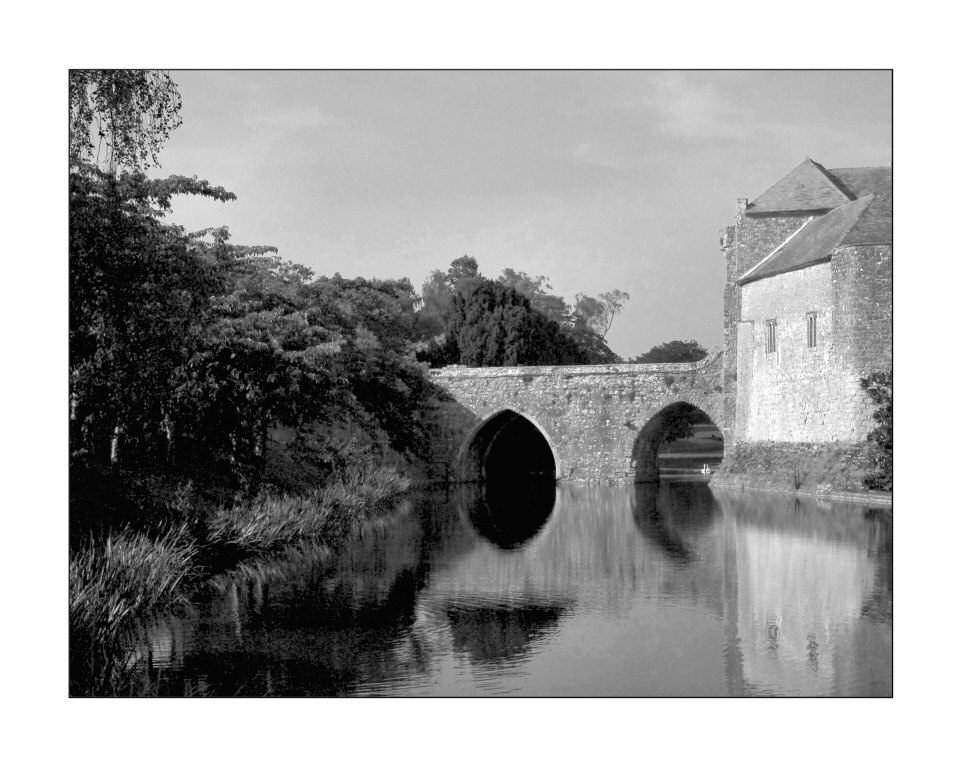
point(668, 590)
point(669, 514)
point(508, 514)
point(801, 593)
point(493, 635)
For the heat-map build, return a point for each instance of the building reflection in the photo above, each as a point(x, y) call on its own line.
point(801, 576)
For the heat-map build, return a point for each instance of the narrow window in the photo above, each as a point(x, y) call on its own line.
point(812, 329)
point(771, 345)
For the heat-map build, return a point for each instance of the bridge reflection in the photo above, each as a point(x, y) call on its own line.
point(510, 513)
point(672, 517)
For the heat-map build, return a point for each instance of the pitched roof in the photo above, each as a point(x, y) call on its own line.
point(874, 226)
point(809, 187)
point(859, 182)
point(859, 222)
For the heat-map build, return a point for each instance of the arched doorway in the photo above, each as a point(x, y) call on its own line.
point(507, 448)
point(678, 442)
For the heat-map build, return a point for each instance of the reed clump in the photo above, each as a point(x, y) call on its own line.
point(119, 581)
point(270, 521)
point(113, 586)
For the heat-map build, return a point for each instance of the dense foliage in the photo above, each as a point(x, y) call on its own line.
point(515, 320)
point(880, 388)
point(138, 290)
point(673, 351)
point(121, 117)
point(190, 350)
point(494, 325)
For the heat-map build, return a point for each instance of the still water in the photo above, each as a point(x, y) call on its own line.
point(664, 590)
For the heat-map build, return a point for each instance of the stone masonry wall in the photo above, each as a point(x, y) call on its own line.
point(591, 415)
point(863, 288)
point(743, 246)
point(798, 467)
point(796, 393)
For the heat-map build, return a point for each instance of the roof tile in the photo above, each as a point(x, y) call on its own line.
point(859, 222)
point(806, 188)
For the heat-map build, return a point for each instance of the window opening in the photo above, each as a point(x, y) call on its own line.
point(771, 342)
point(812, 329)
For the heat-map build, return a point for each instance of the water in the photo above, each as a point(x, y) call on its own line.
point(665, 590)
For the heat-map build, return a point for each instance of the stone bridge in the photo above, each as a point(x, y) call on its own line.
point(578, 423)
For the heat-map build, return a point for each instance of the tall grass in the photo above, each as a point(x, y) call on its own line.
point(116, 584)
point(113, 586)
point(270, 521)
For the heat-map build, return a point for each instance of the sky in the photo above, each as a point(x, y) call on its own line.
point(595, 179)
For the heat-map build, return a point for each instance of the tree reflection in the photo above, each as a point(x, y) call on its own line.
point(496, 634)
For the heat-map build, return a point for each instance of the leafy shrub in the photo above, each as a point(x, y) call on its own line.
point(880, 388)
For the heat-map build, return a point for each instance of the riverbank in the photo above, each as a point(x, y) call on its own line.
point(122, 574)
point(835, 470)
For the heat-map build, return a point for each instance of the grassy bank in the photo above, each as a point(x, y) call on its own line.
point(124, 576)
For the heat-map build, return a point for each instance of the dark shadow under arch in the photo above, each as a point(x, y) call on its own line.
point(507, 448)
point(510, 514)
point(668, 425)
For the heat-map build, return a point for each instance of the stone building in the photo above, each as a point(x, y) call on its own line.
point(808, 306)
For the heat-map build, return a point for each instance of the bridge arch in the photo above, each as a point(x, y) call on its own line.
point(662, 427)
point(507, 445)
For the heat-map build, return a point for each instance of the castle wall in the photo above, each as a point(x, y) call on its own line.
point(797, 393)
point(744, 245)
point(863, 278)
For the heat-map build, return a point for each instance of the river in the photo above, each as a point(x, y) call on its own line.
point(651, 590)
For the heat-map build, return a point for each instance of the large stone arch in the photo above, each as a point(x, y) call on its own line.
point(590, 415)
point(652, 434)
point(502, 434)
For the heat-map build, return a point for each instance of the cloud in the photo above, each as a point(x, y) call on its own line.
point(724, 111)
point(683, 107)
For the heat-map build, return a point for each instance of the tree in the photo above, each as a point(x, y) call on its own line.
point(283, 350)
point(494, 325)
point(595, 349)
point(536, 289)
point(121, 117)
point(678, 421)
point(461, 269)
point(597, 314)
point(505, 336)
point(880, 388)
point(673, 351)
point(138, 289)
point(438, 292)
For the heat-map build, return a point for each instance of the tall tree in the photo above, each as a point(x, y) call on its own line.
point(494, 325)
point(439, 290)
point(597, 314)
point(138, 288)
point(120, 118)
point(537, 291)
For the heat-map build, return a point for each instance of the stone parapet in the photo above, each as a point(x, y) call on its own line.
point(592, 416)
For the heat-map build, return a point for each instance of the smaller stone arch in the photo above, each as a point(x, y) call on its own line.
point(507, 444)
point(660, 428)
